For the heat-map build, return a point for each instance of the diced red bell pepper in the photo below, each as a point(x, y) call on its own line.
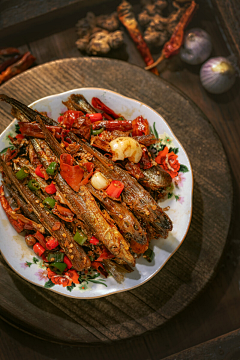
point(67, 262)
point(38, 249)
point(40, 238)
point(50, 189)
point(115, 188)
point(94, 240)
point(38, 171)
point(19, 136)
point(52, 243)
point(95, 117)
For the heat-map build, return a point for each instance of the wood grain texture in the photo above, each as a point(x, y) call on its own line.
point(135, 312)
point(225, 347)
point(228, 12)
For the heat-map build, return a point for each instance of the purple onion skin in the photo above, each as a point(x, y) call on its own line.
point(217, 75)
point(197, 47)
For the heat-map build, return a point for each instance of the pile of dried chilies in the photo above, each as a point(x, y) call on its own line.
point(81, 207)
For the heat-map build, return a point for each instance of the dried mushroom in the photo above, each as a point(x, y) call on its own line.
point(159, 28)
point(99, 34)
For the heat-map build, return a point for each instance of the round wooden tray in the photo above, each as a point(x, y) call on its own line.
point(54, 317)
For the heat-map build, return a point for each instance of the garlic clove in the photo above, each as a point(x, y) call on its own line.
point(99, 181)
point(126, 147)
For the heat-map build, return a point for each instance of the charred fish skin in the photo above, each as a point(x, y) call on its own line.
point(80, 103)
point(137, 198)
point(75, 252)
point(125, 220)
point(26, 208)
point(156, 178)
point(146, 207)
point(86, 209)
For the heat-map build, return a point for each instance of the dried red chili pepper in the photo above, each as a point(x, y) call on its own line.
point(127, 18)
point(140, 126)
point(98, 104)
point(23, 64)
point(172, 47)
point(111, 125)
point(71, 174)
point(145, 159)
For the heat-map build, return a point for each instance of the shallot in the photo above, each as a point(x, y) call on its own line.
point(217, 75)
point(197, 47)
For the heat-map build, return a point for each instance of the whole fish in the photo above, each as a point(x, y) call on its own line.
point(65, 239)
point(86, 209)
point(134, 195)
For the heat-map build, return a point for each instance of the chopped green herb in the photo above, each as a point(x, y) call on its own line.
point(170, 195)
point(183, 168)
point(28, 263)
point(35, 260)
point(177, 197)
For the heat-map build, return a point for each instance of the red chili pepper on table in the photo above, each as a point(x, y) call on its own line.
point(115, 188)
point(23, 64)
point(127, 18)
point(98, 104)
point(172, 47)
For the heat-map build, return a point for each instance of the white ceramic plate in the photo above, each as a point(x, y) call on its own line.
point(22, 259)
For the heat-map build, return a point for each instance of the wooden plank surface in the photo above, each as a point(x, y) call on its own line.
point(216, 311)
point(225, 347)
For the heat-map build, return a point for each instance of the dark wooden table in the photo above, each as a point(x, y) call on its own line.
point(208, 327)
